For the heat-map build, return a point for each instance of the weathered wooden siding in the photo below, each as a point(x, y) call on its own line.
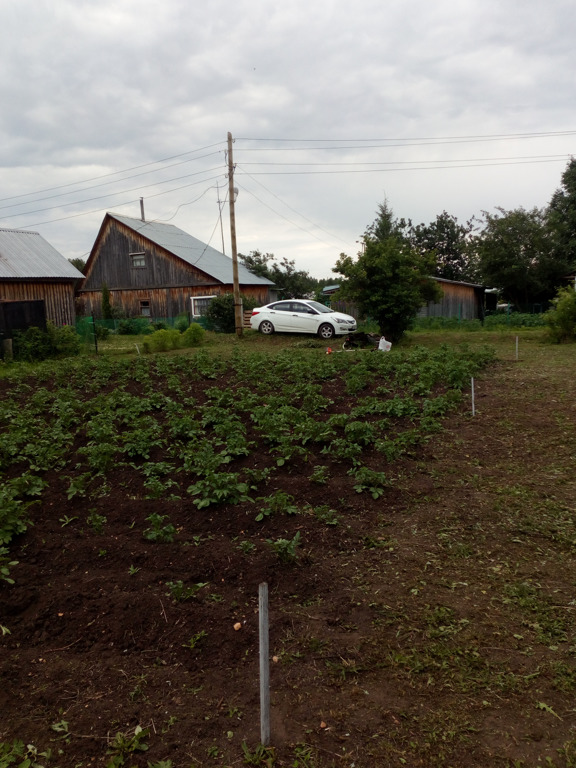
point(58, 297)
point(459, 300)
point(165, 282)
point(164, 302)
point(113, 264)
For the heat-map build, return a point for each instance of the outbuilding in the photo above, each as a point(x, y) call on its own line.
point(153, 269)
point(31, 270)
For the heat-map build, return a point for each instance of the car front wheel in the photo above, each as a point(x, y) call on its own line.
point(266, 327)
point(326, 331)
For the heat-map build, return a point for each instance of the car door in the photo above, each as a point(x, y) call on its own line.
point(303, 318)
point(279, 315)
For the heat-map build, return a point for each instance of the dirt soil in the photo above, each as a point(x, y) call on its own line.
point(433, 626)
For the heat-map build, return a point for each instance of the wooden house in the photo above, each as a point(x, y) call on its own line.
point(157, 270)
point(464, 301)
point(31, 270)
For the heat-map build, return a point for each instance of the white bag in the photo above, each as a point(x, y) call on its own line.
point(384, 346)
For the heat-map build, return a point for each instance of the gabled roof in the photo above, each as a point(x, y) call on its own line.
point(26, 255)
point(192, 251)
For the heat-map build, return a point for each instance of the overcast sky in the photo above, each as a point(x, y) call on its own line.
point(455, 105)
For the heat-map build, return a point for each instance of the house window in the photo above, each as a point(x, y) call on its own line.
point(138, 259)
point(200, 305)
point(145, 308)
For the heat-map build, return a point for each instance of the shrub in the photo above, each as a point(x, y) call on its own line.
point(561, 319)
point(163, 340)
point(102, 332)
point(193, 336)
point(220, 312)
point(34, 344)
point(134, 326)
point(182, 323)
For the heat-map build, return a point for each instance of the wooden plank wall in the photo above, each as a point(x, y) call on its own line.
point(58, 298)
point(164, 302)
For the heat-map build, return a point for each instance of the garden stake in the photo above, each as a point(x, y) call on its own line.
point(516, 347)
point(473, 406)
point(264, 665)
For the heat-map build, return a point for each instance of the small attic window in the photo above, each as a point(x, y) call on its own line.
point(138, 259)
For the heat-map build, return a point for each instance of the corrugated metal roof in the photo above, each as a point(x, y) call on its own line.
point(27, 255)
point(191, 250)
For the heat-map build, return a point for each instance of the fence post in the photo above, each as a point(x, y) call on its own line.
point(264, 665)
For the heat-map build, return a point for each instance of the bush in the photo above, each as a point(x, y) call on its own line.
point(181, 323)
point(193, 336)
point(34, 344)
point(134, 326)
point(102, 332)
point(162, 341)
point(561, 319)
point(220, 312)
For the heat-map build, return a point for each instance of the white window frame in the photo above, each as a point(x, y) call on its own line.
point(194, 299)
point(138, 259)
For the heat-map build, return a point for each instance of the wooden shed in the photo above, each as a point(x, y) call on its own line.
point(32, 270)
point(464, 301)
point(157, 270)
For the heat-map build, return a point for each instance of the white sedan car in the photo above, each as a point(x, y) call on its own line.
point(301, 316)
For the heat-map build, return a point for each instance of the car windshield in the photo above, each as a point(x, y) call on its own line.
point(319, 307)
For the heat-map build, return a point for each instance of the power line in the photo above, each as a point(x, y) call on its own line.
point(103, 184)
point(110, 194)
point(391, 170)
point(413, 162)
point(126, 202)
point(336, 237)
point(113, 173)
point(427, 139)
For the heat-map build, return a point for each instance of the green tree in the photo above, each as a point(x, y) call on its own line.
point(220, 312)
point(79, 263)
point(562, 219)
point(514, 254)
point(561, 317)
point(390, 280)
point(291, 283)
point(107, 312)
point(448, 241)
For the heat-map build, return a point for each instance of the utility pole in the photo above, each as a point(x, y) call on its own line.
point(238, 318)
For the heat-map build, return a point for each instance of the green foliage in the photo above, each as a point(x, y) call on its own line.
point(514, 254)
point(5, 565)
point(34, 344)
point(562, 219)
point(134, 326)
point(123, 746)
point(389, 281)
point(102, 332)
point(219, 488)
point(286, 549)
point(179, 592)
point(221, 315)
point(163, 340)
point(261, 756)
point(20, 756)
point(561, 318)
point(448, 242)
point(291, 283)
point(158, 530)
point(79, 263)
point(107, 313)
point(193, 335)
point(279, 502)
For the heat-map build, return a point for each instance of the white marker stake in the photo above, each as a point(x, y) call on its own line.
point(473, 405)
point(264, 665)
